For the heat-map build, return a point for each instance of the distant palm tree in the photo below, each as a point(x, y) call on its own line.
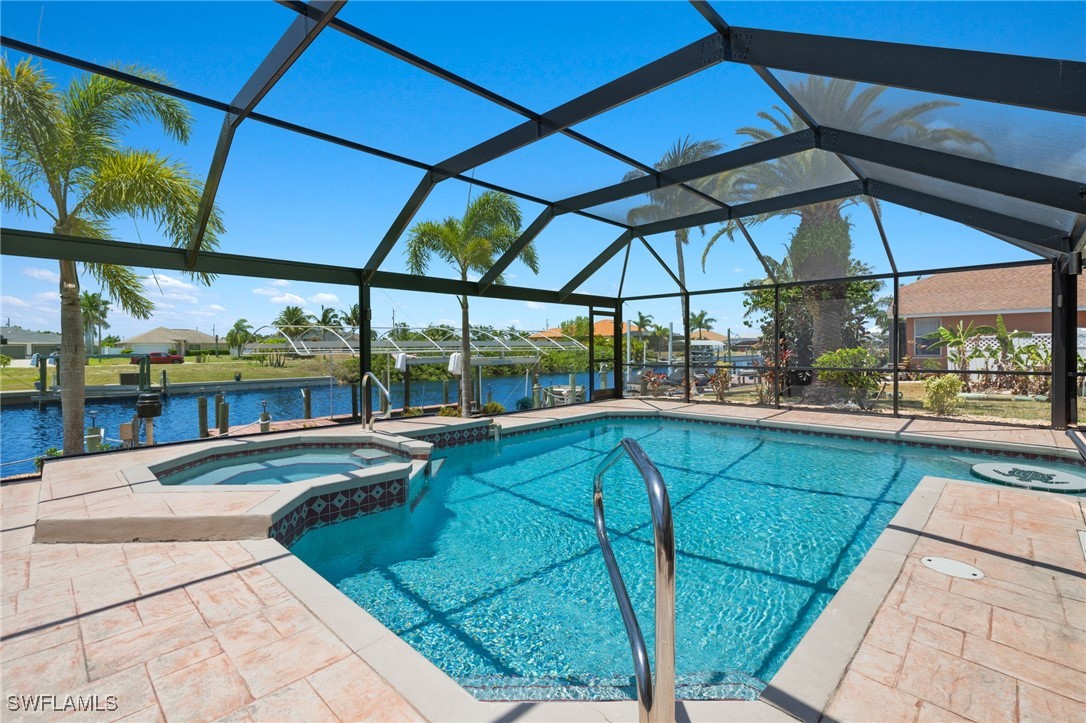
point(702, 321)
point(328, 317)
point(470, 244)
point(69, 145)
point(351, 317)
point(673, 201)
point(293, 321)
point(94, 309)
point(239, 335)
point(643, 321)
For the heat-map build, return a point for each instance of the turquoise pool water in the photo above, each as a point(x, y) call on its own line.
point(268, 469)
point(497, 576)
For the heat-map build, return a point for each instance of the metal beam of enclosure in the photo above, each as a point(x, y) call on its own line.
point(675, 66)
point(36, 244)
point(835, 192)
point(1041, 83)
point(525, 238)
point(301, 33)
point(1027, 231)
point(720, 163)
point(595, 264)
point(1027, 185)
point(399, 224)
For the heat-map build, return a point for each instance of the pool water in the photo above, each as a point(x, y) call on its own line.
point(269, 469)
point(498, 579)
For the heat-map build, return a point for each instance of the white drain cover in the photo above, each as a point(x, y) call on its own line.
point(1031, 476)
point(952, 568)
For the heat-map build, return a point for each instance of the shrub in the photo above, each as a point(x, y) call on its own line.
point(492, 408)
point(346, 371)
point(860, 384)
point(412, 411)
point(941, 393)
point(449, 412)
point(524, 404)
point(39, 462)
point(126, 350)
point(5, 360)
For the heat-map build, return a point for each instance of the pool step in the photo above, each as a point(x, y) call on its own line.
point(371, 455)
point(728, 685)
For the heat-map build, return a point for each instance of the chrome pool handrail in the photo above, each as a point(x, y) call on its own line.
point(656, 700)
point(388, 399)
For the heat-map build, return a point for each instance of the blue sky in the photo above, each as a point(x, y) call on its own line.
point(287, 196)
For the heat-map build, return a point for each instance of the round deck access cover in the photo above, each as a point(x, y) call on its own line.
point(1030, 476)
point(952, 567)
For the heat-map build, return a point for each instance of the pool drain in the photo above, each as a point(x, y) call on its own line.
point(954, 568)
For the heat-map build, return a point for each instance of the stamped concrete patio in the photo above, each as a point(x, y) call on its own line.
point(229, 629)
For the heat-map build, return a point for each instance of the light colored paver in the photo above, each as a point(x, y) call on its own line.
point(202, 630)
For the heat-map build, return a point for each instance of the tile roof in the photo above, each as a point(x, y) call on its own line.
point(987, 290)
point(605, 327)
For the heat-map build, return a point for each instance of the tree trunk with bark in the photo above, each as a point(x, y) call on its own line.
point(72, 359)
point(465, 359)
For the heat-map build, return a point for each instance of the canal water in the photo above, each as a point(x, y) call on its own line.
point(28, 432)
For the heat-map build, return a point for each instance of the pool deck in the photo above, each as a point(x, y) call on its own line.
point(241, 630)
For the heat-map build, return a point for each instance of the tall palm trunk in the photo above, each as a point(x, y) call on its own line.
point(680, 240)
point(72, 354)
point(465, 358)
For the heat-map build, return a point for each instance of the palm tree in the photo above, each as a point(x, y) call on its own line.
point(293, 321)
point(351, 317)
point(94, 309)
point(702, 321)
point(329, 317)
point(643, 320)
point(674, 201)
point(63, 156)
point(489, 227)
point(239, 335)
point(821, 246)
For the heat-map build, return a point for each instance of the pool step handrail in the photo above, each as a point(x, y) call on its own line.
point(655, 699)
point(1080, 444)
point(384, 392)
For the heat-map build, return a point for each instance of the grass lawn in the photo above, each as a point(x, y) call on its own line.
point(102, 372)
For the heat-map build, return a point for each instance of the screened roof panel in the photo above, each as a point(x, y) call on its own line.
point(700, 112)
point(986, 200)
point(1016, 28)
point(644, 275)
point(197, 46)
point(305, 201)
point(1032, 140)
point(665, 204)
point(537, 55)
point(344, 87)
point(565, 246)
point(554, 168)
point(722, 263)
point(796, 173)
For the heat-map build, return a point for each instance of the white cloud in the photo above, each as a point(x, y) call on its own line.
point(214, 307)
point(165, 281)
point(324, 299)
point(42, 275)
point(288, 299)
point(47, 296)
point(181, 297)
point(535, 305)
point(12, 301)
point(280, 282)
point(267, 292)
point(737, 270)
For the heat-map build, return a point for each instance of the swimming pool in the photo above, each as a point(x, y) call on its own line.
point(496, 575)
point(270, 468)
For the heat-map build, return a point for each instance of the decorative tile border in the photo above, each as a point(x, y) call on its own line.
point(456, 437)
point(327, 508)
